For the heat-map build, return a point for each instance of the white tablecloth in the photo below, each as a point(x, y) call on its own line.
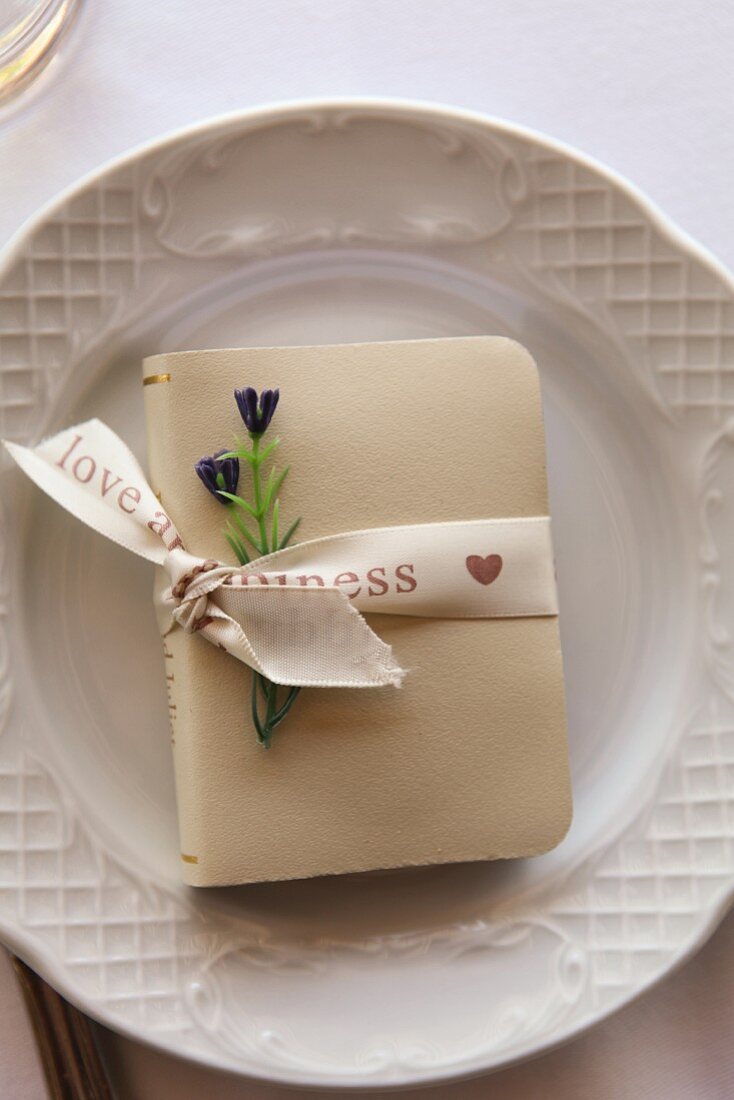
point(645, 85)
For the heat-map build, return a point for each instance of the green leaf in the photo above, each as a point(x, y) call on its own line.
point(247, 533)
point(239, 551)
point(243, 453)
point(265, 502)
point(274, 525)
point(290, 533)
point(273, 487)
point(268, 450)
point(239, 502)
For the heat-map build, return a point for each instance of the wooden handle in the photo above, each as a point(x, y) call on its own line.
point(71, 1062)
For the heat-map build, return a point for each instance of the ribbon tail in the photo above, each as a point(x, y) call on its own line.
point(300, 637)
point(91, 473)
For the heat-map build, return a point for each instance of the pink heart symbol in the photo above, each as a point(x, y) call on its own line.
point(484, 570)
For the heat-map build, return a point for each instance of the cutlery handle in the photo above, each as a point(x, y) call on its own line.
point(71, 1062)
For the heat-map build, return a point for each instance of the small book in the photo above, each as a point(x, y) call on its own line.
point(468, 759)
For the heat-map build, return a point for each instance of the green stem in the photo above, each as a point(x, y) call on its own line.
point(268, 724)
point(257, 488)
point(265, 725)
point(280, 714)
point(273, 714)
point(253, 703)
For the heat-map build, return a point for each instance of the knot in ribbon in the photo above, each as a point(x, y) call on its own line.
point(189, 595)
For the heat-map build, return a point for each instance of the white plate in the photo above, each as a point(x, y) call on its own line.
point(357, 221)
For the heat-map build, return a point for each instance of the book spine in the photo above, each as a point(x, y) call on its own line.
point(176, 645)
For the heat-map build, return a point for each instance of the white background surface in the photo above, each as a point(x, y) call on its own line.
point(645, 85)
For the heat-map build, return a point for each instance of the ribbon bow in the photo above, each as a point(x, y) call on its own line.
point(295, 635)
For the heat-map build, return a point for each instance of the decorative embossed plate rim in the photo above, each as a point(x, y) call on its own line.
point(153, 963)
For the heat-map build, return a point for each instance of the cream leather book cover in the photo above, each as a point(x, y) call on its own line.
point(468, 759)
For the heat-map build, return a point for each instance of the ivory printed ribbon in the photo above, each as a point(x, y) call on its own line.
point(296, 615)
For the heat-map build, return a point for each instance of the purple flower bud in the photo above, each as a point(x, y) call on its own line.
point(257, 412)
point(219, 473)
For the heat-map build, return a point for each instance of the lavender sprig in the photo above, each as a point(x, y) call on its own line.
point(257, 412)
point(220, 474)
